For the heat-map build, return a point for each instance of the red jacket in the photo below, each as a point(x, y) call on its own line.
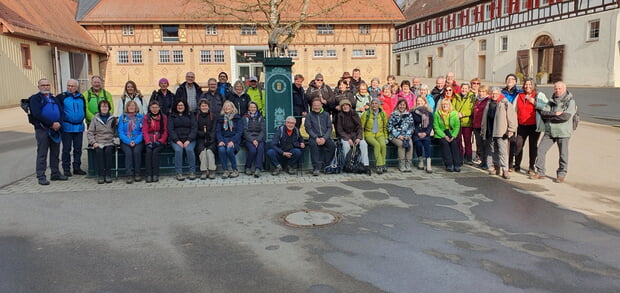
point(151, 129)
point(479, 111)
point(526, 111)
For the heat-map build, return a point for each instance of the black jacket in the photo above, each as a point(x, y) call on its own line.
point(181, 93)
point(300, 103)
point(165, 101)
point(240, 102)
point(253, 128)
point(281, 142)
point(205, 136)
point(181, 127)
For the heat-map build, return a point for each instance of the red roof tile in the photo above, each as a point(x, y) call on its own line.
point(47, 20)
point(422, 8)
point(186, 11)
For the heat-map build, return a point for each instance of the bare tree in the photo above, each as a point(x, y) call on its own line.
point(267, 15)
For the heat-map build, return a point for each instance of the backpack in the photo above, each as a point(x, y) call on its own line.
point(353, 161)
point(25, 105)
point(576, 117)
point(335, 167)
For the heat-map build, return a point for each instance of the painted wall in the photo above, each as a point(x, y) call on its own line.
point(594, 63)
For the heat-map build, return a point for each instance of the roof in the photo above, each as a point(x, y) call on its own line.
point(48, 21)
point(191, 11)
point(84, 8)
point(424, 8)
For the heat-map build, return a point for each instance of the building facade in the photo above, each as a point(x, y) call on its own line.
point(572, 40)
point(167, 41)
point(41, 39)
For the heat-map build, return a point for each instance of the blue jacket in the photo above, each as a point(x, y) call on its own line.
point(225, 135)
point(74, 108)
point(44, 112)
point(136, 134)
point(511, 94)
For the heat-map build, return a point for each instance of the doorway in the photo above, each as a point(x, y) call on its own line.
point(482, 66)
point(249, 63)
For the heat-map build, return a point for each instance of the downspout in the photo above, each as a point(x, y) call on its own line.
point(56, 66)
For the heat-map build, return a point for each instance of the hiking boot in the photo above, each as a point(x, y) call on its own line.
point(537, 176)
point(234, 174)
point(148, 179)
point(43, 181)
point(180, 177)
point(212, 174)
point(401, 165)
point(137, 178)
point(68, 173)
point(108, 179)
point(225, 174)
point(276, 171)
point(100, 180)
point(420, 163)
point(429, 168)
point(316, 172)
point(204, 175)
point(505, 175)
point(192, 176)
point(248, 171)
point(291, 171)
point(256, 173)
point(129, 180)
point(58, 176)
point(79, 172)
point(560, 179)
point(156, 178)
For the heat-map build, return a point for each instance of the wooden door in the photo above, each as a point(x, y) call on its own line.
point(558, 64)
point(523, 62)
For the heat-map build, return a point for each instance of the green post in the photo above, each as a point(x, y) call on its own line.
point(279, 102)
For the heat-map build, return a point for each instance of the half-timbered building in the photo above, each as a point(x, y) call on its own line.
point(577, 41)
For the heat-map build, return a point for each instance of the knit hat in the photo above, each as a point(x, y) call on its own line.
point(318, 76)
point(163, 79)
point(509, 75)
point(345, 101)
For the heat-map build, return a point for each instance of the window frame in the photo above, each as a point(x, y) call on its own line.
point(208, 57)
point(211, 29)
point(325, 29)
point(364, 29)
point(169, 39)
point(440, 51)
point(248, 30)
point(26, 56)
point(219, 56)
point(331, 53)
point(503, 43)
point(416, 59)
point(170, 56)
point(590, 30)
point(482, 45)
point(128, 30)
point(354, 51)
point(315, 55)
point(371, 50)
point(293, 53)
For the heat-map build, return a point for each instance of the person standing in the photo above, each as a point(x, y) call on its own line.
point(438, 90)
point(318, 89)
point(223, 86)
point(239, 98)
point(300, 104)
point(164, 97)
point(510, 92)
point(95, 95)
point(319, 128)
point(558, 118)
point(131, 93)
point(257, 95)
point(499, 124)
point(48, 115)
point(356, 80)
point(525, 105)
point(216, 101)
point(481, 102)
point(189, 92)
point(464, 104)
point(74, 108)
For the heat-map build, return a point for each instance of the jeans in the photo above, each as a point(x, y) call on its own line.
point(379, 149)
point(178, 157)
point(152, 160)
point(321, 155)
point(255, 155)
point(422, 146)
point(45, 144)
point(450, 153)
point(103, 157)
point(69, 139)
point(363, 146)
point(227, 154)
point(402, 153)
point(523, 133)
point(545, 144)
point(497, 153)
point(291, 162)
point(133, 158)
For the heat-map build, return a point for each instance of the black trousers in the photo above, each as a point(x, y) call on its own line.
point(450, 153)
point(152, 160)
point(523, 133)
point(104, 156)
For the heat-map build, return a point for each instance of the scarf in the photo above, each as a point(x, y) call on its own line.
point(228, 123)
point(131, 123)
point(423, 112)
point(104, 118)
point(445, 117)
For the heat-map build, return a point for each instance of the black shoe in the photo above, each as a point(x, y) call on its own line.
point(148, 179)
point(100, 180)
point(137, 178)
point(79, 172)
point(43, 181)
point(316, 172)
point(156, 178)
point(129, 179)
point(457, 169)
point(68, 173)
point(59, 177)
point(108, 179)
point(450, 169)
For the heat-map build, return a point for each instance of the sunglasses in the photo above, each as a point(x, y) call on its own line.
point(448, 90)
point(475, 83)
point(318, 80)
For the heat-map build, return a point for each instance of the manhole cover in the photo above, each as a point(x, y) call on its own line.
point(310, 218)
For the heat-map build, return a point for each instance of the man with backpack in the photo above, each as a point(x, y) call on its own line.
point(47, 116)
point(74, 108)
point(558, 117)
point(319, 127)
point(286, 144)
point(94, 95)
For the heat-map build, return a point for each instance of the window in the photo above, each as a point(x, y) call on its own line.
point(127, 30)
point(218, 56)
point(505, 5)
point(331, 53)
point(177, 56)
point(123, 57)
point(504, 43)
point(370, 52)
point(26, 57)
point(248, 30)
point(544, 2)
point(482, 45)
point(416, 57)
point(164, 56)
point(136, 57)
point(318, 53)
point(406, 59)
point(458, 19)
point(358, 53)
point(205, 56)
point(211, 30)
point(440, 51)
point(292, 53)
point(364, 29)
point(487, 12)
point(593, 29)
point(472, 16)
point(325, 29)
point(522, 5)
point(170, 33)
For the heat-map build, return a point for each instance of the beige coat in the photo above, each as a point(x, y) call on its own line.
point(505, 119)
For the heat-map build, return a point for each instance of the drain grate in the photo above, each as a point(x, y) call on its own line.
point(310, 218)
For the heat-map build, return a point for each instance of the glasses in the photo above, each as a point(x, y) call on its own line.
point(473, 83)
point(45, 85)
point(448, 90)
point(318, 80)
point(212, 84)
point(189, 76)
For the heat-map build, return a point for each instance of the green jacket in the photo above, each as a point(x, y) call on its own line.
point(368, 119)
point(465, 105)
point(454, 125)
point(92, 103)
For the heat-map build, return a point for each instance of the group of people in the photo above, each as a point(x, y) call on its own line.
point(225, 117)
